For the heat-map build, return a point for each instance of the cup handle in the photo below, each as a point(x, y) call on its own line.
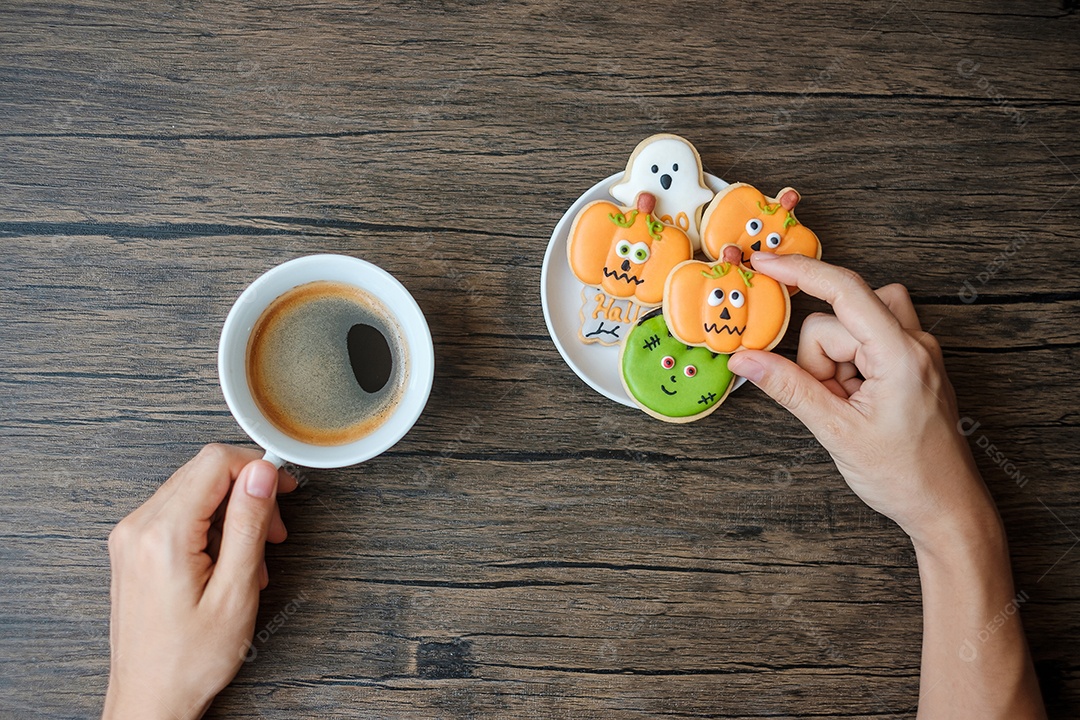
point(273, 459)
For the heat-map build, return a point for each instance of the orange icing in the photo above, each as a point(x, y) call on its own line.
point(725, 221)
point(593, 252)
point(753, 312)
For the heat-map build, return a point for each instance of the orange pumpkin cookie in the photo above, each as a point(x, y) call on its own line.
point(626, 252)
point(725, 306)
point(742, 215)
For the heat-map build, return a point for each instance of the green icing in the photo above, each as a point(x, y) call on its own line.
point(717, 271)
point(721, 269)
point(647, 379)
point(746, 275)
point(768, 209)
point(655, 227)
point(790, 220)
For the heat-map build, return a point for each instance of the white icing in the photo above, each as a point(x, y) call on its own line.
point(773, 240)
point(736, 298)
point(606, 320)
point(681, 200)
point(753, 226)
point(715, 297)
point(639, 253)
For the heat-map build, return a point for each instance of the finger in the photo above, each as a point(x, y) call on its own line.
point(204, 482)
point(286, 481)
point(213, 543)
point(848, 378)
point(247, 522)
point(277, 532)
point(898, 301)
point(791, 386)
point(824, 342)
point(264, 576)
point(857, 308)
point(199, 486)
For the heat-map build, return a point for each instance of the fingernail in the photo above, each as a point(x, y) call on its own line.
point(760, 256)
point(261, 479)
point(752, 370)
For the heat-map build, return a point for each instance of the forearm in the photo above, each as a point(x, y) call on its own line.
point(975, 661)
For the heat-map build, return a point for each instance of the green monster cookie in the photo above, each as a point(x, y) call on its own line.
point(669, 380)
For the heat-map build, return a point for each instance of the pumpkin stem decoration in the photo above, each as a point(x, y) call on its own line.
point(767, 208)
point(732, 254)
point(622, 220)
point(789, 200)
point(646, 202)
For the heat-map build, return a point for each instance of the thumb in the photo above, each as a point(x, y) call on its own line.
point(791, 386)
point(247, 521)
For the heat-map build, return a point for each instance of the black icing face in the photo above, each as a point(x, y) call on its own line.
point(665, 179)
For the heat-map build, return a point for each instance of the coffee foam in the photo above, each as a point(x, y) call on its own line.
point(299, 370)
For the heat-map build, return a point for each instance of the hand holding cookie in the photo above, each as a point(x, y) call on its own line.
point(871, 385)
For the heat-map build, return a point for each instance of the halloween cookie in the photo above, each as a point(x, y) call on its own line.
point(741, 214)
point(668, 167)
point(605, 319)
point(668, 379)
point(725, 306)
point(626, 252)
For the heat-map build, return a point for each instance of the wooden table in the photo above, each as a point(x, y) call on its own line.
point(530, 549)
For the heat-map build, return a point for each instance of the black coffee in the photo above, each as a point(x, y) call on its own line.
point(326, 363)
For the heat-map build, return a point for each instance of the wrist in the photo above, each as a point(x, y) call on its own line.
point(964, 543)
point(963, 522)
point(962, 538)
point(144, 706)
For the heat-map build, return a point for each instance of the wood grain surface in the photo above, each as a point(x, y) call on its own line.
point(530, 549)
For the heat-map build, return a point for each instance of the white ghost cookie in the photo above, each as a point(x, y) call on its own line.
point(669, 167)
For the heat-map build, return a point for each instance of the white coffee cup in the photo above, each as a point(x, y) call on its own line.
point(232, 359)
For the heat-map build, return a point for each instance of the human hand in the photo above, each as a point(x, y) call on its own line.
point(187, 568)
point(871, 386)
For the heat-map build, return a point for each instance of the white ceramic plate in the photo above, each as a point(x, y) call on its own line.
point(560, 294)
